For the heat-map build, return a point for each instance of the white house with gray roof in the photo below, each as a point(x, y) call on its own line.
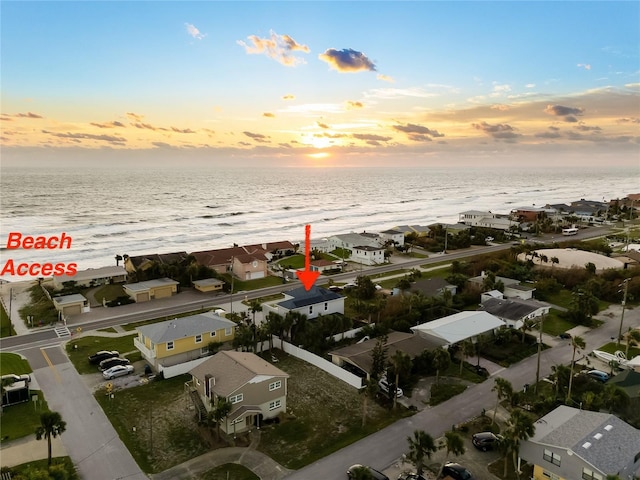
point(574, 444)
point(514, 312)
point(312, 303)
point(458, 327)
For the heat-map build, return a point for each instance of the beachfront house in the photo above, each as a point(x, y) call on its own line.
point(141, 263)
point(182, 340)
point(479, 218)
point(92, 277)
point(571, 443)
point(256, 389)
point(396, 237)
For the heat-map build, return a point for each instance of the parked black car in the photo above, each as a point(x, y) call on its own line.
point(376, 474)
point(485, 441)
point(112, 362)
point(456, 471)
point(97, 357)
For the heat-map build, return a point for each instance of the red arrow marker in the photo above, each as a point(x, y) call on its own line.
point(307, 277)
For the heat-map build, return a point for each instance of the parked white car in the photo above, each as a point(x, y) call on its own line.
point(117, 371)
point(384, 386)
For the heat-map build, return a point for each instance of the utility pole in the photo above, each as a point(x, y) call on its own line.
point(624, 302)
point(535, 389)
point(231, 296)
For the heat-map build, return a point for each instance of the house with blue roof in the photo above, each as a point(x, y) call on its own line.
point(312, 303)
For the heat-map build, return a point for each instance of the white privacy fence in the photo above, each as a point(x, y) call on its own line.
point(327, 366)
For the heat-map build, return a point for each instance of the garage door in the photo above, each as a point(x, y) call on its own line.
point(72, 310)
point(142, 297)
point(255, 275)
point(162, 292)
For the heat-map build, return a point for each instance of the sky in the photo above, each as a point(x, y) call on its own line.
point(330, 83)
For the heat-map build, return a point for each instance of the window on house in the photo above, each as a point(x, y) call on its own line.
point(275, 404)
point(550, 475)
point(588, 474)
point(228, 331)
point(169, 345)
point(275, 385)
point(212, 334)
point(326, 305)
point(204, 351)
point(310, 308)
point(236, 398)
point(549, 456)
point(198, 338)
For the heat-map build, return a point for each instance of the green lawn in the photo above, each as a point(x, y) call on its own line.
point(13, 363)
point(89, 345)
point(239, 285)
point(108, 292)
point(555, 325)
point(611, 347)
point(5, 324)
point(228, 471)
point(40, 465)
point(561, 299)
point(295, 261)
point(22, 419)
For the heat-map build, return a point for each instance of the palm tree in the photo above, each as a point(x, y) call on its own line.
point(441, 360)
point(453, 443)
point(576, 343)
point(401, 362)
point(220, 412)
point(273, 322)
point(254, 307)
point(527, 324)
point(519, 427)
point(467, 349)
point(421, 445)
point(368, 390)
point(503, 389)
point(51, 425)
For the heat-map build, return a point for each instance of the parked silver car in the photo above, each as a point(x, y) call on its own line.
point(117, 371)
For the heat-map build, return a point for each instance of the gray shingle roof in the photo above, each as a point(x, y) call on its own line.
point(601, 439)
point(511, 309)
point(184, 327)
point(303, 298)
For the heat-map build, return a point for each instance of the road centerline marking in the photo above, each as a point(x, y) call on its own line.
point(50, 363)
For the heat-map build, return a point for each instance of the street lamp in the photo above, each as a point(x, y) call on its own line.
point(624, 301)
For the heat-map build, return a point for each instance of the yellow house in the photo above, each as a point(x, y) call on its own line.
point(183, 339)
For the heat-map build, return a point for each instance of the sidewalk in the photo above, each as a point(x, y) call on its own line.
point(28, 449)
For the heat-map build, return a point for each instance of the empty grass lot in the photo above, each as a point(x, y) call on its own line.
point(310, 432)
point(165, 433)
point(13, 363)
point(89, 345)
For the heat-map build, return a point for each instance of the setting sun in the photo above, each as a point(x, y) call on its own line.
point(319, 155)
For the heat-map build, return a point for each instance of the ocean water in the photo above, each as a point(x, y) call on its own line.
point(137, 211)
